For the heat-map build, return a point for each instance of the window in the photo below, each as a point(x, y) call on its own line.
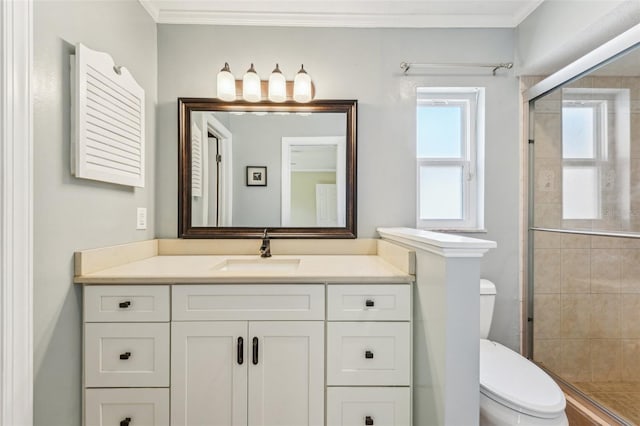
point(450, 158)
point(584, 150)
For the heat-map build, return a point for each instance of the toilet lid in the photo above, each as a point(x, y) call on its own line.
point(513, 381)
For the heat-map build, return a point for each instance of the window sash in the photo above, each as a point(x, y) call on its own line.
point(468, 100)
point(465, 125)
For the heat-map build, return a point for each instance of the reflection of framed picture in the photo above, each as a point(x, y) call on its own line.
point(256, 176)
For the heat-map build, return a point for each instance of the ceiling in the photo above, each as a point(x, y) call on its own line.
point(344, 13)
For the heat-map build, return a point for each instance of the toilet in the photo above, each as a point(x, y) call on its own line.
point(513, 390)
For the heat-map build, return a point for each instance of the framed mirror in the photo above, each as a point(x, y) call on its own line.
point(287, 167)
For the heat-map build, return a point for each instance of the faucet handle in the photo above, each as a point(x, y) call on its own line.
point(265, 235)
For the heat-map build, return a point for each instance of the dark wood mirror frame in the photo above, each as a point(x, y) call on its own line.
point(188, 105)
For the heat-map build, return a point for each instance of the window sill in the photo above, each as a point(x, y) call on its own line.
point(456, 230)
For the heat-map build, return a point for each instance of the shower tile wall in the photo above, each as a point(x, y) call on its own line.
point(587, 306)
point(587, 288)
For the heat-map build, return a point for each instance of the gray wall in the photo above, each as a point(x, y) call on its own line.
point(559, 31)
point(72, 214)
point(363, 64)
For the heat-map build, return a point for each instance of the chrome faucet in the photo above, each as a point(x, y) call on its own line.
point(265, 248)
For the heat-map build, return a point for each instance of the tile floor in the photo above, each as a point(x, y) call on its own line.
point(621, 397)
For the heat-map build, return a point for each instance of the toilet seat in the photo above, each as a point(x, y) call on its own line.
point(515, 382)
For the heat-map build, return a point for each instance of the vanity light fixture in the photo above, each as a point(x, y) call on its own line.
point(302, 86)
point(275, 89)
point(277, 86)
point(251, 90)
point(226, 84)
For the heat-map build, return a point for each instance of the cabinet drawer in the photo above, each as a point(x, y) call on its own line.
point(368, 353)
point(126, 355)
point(368, 406)
point(369, 302)
point(248, 302)
point(126, 303)
point(112, 407)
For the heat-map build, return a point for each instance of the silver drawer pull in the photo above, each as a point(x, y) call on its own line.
point(368, 355)
point(369, 303)
point(125, 304)
point(125, 355)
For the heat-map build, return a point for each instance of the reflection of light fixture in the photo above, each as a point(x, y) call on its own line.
point(277, 86)
point(302, 86)
point(226, 84)
point(251, 86)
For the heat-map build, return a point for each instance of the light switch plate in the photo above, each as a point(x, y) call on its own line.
point(141, 218)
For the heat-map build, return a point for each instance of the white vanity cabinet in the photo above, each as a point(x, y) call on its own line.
point(247, 355)
point(295, 354)
point(369, 355)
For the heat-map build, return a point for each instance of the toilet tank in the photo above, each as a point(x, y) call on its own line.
point(487, 299)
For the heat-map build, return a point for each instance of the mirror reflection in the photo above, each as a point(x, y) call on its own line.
point(586, 167)
point(289, 168)
point(267, 169)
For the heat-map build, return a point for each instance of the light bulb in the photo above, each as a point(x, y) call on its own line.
point(226, 84)
point(302, 86)
point(251, 86)
point(277, 86)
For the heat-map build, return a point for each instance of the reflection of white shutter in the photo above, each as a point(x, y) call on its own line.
point(326, 205)
point(107, 120)
point(196, 161)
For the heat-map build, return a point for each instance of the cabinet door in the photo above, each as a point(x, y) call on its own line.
point(209, 374)
point(286, 373)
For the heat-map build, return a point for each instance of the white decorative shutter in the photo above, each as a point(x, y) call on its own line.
point(107, 120)
point(196, 161)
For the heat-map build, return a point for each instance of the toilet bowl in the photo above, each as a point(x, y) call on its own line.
point(513, 390)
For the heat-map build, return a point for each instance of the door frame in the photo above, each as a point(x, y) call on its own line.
point(225, 199)
point(341, 173)
point(16, 213)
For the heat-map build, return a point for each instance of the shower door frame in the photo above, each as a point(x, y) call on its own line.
point(606, 53)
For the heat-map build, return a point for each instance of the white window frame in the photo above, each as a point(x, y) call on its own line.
point(471, 160)
point(600, 148)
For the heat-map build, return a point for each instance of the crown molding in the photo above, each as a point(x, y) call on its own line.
point(151, 9)
point(350, 20)
point(525, 12)
point(344, 13)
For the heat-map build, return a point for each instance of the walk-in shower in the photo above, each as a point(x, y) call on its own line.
point(584, 231)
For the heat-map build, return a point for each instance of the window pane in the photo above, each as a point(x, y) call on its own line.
point(577, 132)
point(441, 192)
point(439, 131)
point(580, 193)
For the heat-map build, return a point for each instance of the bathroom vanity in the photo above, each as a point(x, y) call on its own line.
point(177, 332)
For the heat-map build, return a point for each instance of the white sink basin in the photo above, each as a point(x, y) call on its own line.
point(259, 265)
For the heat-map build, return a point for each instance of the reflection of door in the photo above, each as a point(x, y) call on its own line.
point(326, 205)
point(220, 176)
point(308, 164)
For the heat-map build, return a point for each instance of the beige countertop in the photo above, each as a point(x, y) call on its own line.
point(210, 269)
